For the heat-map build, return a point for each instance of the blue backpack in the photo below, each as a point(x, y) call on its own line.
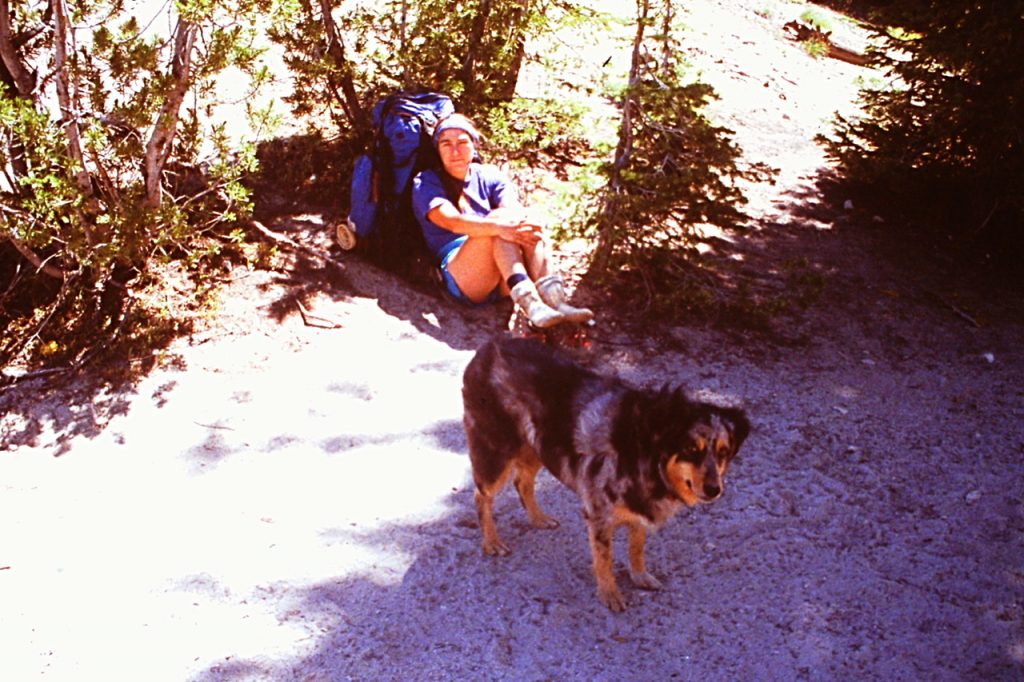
point(381, 194)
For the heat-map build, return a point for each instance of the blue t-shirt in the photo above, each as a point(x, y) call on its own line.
point(485, 189)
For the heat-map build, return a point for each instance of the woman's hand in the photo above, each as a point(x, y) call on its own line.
point(517, 225)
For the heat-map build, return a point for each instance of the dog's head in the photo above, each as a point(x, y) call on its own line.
point(713, 435)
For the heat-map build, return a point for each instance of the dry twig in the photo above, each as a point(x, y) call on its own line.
point(311, 320)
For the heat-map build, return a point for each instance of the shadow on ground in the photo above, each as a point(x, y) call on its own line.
point(752, 591)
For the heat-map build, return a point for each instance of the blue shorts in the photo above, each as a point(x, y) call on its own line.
point(447, 253)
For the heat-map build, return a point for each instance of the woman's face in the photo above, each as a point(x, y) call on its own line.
point(455, 147)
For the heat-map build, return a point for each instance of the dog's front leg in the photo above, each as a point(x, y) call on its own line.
point(637, 564)
point(601, 552)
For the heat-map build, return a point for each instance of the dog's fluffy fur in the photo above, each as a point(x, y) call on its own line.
point(635, 457)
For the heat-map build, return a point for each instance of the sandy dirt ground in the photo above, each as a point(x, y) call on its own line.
point(278, 501)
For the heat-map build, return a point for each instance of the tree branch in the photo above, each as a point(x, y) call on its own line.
point(468, 70)
point(68, 110)
point(803, 34)
point(285, 240)
point(39, 264)
point(158, 149)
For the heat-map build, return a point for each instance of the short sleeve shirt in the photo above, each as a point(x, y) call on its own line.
point(485, 189)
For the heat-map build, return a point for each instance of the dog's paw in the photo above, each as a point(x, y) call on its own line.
point(645, 581)
point(543, 521)
point(613, 599)
point(496, 547)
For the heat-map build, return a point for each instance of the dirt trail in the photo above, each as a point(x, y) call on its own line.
point(281, 502)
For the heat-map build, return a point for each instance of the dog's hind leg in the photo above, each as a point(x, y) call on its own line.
point(493, 443)
point(637, 564)
point(527, 466)
point(485, 494)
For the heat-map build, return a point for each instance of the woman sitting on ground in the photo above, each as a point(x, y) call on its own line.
point(486, 243)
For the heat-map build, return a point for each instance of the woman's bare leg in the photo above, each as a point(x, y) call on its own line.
point(474, 268)
point(536, 260)
point(483, 263)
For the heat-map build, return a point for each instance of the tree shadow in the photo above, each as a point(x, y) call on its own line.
point(432, 606)
point(823, 248)
point(451, 612)
point(349, 275)
point(748, 282)
point(304, 182)
point(81, 407)
point(296, 173)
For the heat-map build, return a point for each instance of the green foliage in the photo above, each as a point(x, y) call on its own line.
point(537, 131)
point(817, 19)
point(75, 195)
point(471, 51)
point(671, 181)
point(679, 169)
point(673, 169)
point(946, 137)
point(815, 47)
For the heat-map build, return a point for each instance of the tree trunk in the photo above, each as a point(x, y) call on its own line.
point(467, 74)
point(506, 89)
point(336, 49)
point(22, 79)
point(14, 73)
point(158, 149)
point(667, 53)
point(608, 218)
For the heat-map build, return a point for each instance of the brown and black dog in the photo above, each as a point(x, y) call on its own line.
point(635, 457)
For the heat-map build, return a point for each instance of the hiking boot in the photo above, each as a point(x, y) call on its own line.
point(345, 233)
point(552, 292)
point(528, 299)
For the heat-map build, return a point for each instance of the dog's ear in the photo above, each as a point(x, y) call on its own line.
point(740, 425)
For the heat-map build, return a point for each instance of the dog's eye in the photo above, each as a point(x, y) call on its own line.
point(690, 455)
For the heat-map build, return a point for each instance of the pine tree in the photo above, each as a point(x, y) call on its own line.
point(948, 132)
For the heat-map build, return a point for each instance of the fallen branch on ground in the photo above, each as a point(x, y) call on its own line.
point(803, 33)
point(288, 242)
point(959, 312)
point(311, 320)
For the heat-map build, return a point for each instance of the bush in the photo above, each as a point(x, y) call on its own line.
point(108, 168)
